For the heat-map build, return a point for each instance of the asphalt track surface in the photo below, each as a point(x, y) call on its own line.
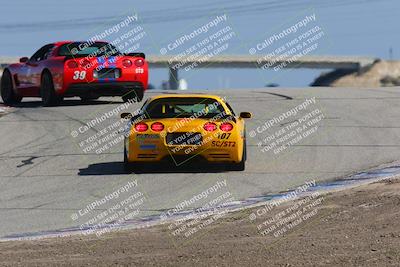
point(45, 177)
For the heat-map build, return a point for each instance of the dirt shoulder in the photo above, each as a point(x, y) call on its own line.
point(357, 227)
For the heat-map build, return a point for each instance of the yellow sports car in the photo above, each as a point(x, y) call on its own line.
point(181, 127)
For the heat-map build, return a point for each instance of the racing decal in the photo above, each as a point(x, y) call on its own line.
point(139, 71)
point(79, 75)
point(223, 143)
point(106, 62)
point(148, 147)
point(223, 135)
point(101, 65)
point(146, 142)
point(147, 136)
point(112, 63)
point(147, 139)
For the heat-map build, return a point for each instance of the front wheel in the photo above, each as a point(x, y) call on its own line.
point(241, 166)
point(133, 96)
point(7, 90)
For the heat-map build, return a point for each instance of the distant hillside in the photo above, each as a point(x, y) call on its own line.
point(380, 74)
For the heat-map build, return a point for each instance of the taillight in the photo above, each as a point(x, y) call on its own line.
point(139, 62)
point(141, 127)
point(127, 63)
point(72, 64)
point(157, 126)
point(86, 64)
point(226, 127)
point(209, 126)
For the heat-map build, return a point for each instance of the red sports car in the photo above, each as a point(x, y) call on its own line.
point(67, 69)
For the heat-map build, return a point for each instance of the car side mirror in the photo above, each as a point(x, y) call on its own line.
point(126, 115)
point(23, 59)
point(245, 115)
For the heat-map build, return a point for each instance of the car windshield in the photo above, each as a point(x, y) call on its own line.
point(79, 49)
point(176, 107)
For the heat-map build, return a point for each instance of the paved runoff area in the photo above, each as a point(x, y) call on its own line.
point(61, 166)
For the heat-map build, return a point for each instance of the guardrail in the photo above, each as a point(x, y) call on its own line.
point(174, 63)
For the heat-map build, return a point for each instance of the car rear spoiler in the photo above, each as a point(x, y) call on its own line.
point(74, 57)
point(142, 55)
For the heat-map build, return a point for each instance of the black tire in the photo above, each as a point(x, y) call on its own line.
point(136, 95)
point(7, 89)
point(127, 167)
point(47, 92)
point(241, 166)
point(130, 167)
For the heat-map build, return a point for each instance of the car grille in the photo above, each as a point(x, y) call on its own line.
point(186, 138)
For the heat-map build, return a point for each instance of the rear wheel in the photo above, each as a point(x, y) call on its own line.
point(242, 164)
point(130, 167)
point(126, 162)
point(47, 92)
point(134, 95)
point(7, 90)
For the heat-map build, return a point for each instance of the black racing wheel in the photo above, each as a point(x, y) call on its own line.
point(7, 89)
point(47, 92)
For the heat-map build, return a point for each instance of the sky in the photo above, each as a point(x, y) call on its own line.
point(344, 27)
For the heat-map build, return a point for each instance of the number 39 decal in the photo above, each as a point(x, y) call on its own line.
point(79, 75)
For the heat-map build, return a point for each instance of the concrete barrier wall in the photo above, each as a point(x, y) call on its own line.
point(173, 63)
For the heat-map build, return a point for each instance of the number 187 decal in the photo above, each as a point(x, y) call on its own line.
point(224, 135)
